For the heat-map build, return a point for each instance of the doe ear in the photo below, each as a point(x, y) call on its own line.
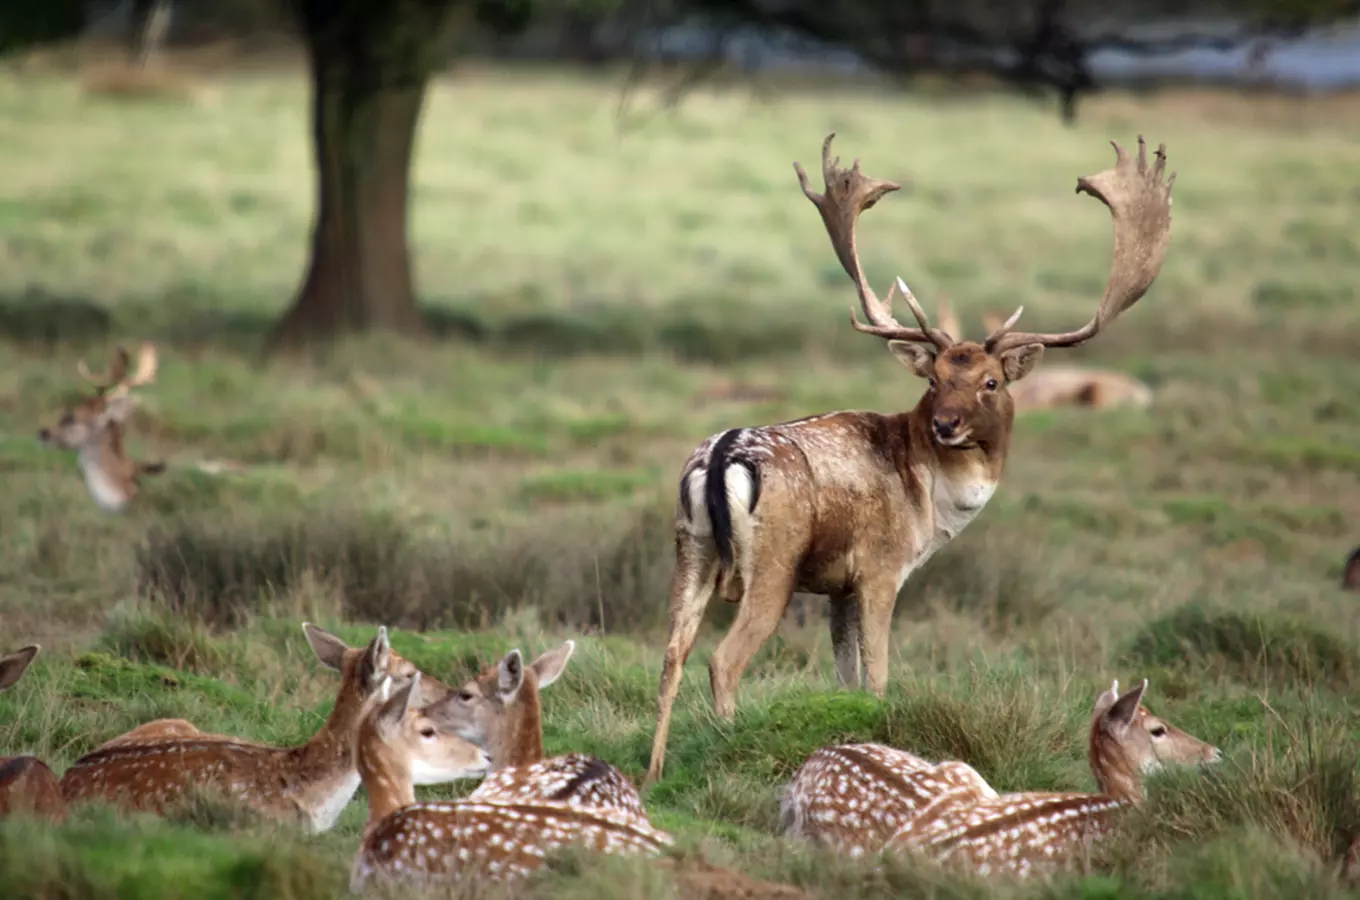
point(1018, 362)
point(918, 358)
point(550, 666)
point(327, 647)
point(379, 653)
point(397, 703)
point(13, 665)
point(511, 675)
point(1120, 715)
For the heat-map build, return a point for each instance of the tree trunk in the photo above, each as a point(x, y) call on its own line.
point(370, 65)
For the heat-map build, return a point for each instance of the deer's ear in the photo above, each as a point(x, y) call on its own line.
point(510, 675)
point(327, 647)
point(14, 665)
point(550, 666)
point(918, 358)
point(1121, 713)
point(1018, 362)
point(117, 409)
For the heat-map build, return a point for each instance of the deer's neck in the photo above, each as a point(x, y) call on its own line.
point(107, 472)
point(386, 778)
point(1116, 775)
point(324, 768)
point(522, 742)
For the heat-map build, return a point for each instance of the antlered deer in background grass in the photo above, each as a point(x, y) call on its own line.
point(93, 427)
point(849, 504)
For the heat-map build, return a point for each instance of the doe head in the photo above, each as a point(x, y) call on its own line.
point(499, 708)
point(1128, 741)
point(433, 753)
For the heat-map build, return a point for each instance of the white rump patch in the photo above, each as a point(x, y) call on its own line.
point(740, 489)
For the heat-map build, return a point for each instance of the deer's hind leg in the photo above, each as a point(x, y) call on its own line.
point(846, 639)
point(762, 607)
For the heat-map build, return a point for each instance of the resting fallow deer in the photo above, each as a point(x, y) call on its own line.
point(27, 785)
point(93, 427)
point(1063, 385)
point(1028, 833)
point(853, 798)
point(849, 504)
point(310, 784)
point(501, 711)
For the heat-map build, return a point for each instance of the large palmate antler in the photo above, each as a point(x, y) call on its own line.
point(117, 382)
point(1140, 205)
point(848, 193)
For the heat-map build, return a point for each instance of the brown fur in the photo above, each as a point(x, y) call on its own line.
point(1028, 833)
point(848, 504)
point(27, 785)
point(309, 784)
point(1350, 578)
point(93, 427)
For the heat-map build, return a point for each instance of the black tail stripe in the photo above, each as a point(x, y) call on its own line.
point(715, 496)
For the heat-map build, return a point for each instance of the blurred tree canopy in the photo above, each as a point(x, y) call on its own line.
point(371, 60)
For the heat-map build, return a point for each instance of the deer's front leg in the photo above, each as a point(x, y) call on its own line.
point(876, 601)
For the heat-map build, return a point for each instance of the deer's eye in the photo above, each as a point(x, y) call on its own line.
point(427, 732)
point(991, 384)
point(1158, 731)
point(68, 419)
point(931, 382)
point(465, 696)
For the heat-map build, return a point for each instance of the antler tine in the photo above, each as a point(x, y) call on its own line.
point(1139, 201)
point(849, 192)
point(1003, 329)
point(117, 371)
point(145, 374)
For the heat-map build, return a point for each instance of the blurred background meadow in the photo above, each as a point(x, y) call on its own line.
point(607, 272)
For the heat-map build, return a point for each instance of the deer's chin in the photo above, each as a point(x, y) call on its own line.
point(962, 441)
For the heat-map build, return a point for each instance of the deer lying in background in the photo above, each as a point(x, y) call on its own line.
point(1028, 833)
point(849, 504)
point(1054, 386)
point(93, 427)
point(27, 785)
point(310, 784)
point(500, 710)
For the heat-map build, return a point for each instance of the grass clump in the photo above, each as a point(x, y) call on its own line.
point(1258, 649)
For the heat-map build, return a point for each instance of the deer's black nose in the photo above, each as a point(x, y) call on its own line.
point(945, 426)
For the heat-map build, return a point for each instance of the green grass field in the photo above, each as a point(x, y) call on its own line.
point(608, 292)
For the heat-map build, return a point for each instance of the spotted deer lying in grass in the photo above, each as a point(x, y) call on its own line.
point(27, 785)
point(310, 785)
point(854, 797)
point(528, 808)
point(1028, 833)
point(93, 427)
point(1054, 386)
point(849, 504)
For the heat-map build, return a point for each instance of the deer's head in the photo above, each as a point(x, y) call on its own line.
point(499, 710)
point(1128, 742)
point(93, 419)
point(967, 402)
point(423, 746)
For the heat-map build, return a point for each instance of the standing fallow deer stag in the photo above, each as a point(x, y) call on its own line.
point(27, 785)
point(93, 427)
point(310, 784)
point(501, 711)
point(1027, 834)
point(849, 504)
